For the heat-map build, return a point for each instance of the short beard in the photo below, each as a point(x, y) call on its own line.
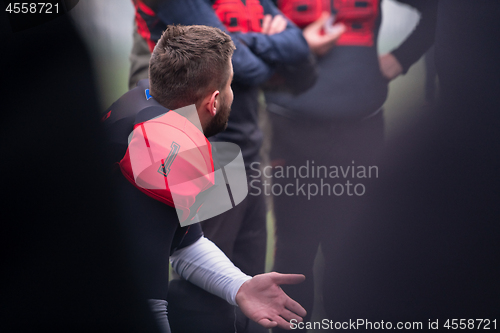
point(219, 121)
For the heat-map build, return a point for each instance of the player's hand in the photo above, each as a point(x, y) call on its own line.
point(318, 42)
point(273, 25)
point(262, 300)
point(390, 66)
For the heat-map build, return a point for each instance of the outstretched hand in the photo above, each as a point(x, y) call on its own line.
point(262, 300)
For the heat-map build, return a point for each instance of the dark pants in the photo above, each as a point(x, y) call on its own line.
point(241, 234)
point(303, 223)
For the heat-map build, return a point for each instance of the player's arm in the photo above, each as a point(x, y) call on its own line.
point(292, 74)
point(287, 47)
point(248, 68)
point(260, 298)
point(418, 42)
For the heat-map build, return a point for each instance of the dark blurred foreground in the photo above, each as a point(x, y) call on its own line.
point(64, 263)
point(425, 242)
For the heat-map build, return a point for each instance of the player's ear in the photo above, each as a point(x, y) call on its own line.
point(213, 103)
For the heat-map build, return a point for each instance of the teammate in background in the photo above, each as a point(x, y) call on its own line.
point(425, 246)
point(338, 122)
point(265, 43)
point(190, 65)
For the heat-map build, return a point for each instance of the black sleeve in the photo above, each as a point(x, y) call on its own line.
point(186, 236)
point(422, 38)
point(288, 47)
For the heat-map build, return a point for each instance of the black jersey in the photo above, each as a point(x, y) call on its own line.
point(134, 107)
point(152, 227)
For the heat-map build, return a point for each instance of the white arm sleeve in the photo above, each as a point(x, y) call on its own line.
point(205, 265)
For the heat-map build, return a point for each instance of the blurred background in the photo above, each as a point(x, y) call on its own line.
point(107, 28)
